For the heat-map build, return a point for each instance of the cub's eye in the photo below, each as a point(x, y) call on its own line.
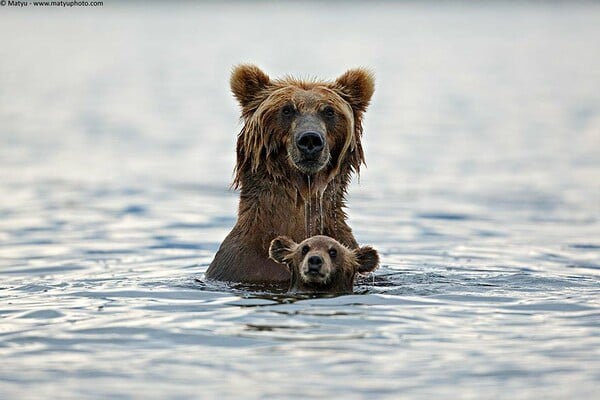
point(305, 249)
point(332, 253)
point(287, 111)
point(329, 112)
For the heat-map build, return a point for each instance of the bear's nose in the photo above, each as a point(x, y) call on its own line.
point(314, 264)
point(310, 143)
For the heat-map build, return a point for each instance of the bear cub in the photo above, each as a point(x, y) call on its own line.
point(321, 264)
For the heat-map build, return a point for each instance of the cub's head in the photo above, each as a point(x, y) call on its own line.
point(306, 126)
point(320, 264)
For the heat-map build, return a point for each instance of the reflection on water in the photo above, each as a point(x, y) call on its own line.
point(481, 194)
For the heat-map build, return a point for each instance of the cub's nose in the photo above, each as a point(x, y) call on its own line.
point(314, 264)
point(310, 143)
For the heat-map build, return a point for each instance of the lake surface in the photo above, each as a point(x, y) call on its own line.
point(482, 195)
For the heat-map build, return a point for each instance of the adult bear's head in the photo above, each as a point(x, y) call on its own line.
point(300, 126)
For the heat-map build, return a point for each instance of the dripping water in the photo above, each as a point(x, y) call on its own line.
point(308, 211)
point(308, 215)
point(321, 193)
point(333, 205)
point(306, 218)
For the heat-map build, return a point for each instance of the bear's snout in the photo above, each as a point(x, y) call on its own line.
point(308, 148)
point(314, 264)
point(315, 269)
point(310, 144)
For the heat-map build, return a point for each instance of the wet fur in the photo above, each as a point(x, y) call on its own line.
point(275, 195)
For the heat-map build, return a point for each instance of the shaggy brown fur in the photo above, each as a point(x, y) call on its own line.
point(285, 189)
point(321, 264)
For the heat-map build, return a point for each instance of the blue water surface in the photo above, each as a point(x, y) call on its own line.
point(482, 195)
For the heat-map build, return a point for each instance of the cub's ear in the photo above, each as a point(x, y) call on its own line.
point(280, 248)
point(357, 87)
point(368, 259)
point(247, 81)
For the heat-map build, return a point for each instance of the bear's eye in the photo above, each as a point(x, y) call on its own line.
point(287, 111)
point(332, 253)
point(305, 249)
point(329, 112)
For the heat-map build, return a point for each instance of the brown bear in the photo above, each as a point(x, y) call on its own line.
point(299, 144)
point(321, 264)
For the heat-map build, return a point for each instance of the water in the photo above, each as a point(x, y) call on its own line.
point(482, 194)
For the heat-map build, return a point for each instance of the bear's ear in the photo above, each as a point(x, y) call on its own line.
point(368, 259)
point(357, 87)
point(280, 248)
point(247, 81)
